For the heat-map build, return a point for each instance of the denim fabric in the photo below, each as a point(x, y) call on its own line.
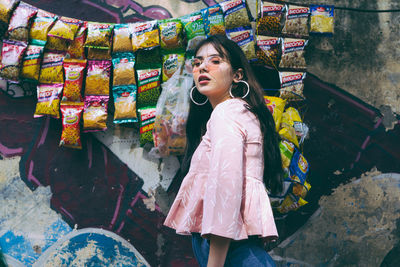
point(245, 253)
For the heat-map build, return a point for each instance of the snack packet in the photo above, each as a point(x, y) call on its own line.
point(292, 84)
point(98, 77)
point(52, 68)
point(6, 7)
point(270, 18)
point(48, 100)
point(32, 60)
point(301, 190)
point(149, 87)
point(194, 29)
point(146, 124)
point(235, 14)
point(290, 203)
point(74, 73)
point(123, 69)
point(171, 63)
point(298, 168)
point(171, 34)
point(41, 25)
point(287, 150)
point(276, 106)
point(322, 17)
point(98, 54)
point(268, 50)
point(77, 48)
point(65, 28)
point(11, 57)
point(288, 132)
point(71, 115)
point(244, 37)
point(144, 35)
point(296, 23)
point(125, 104)
point(57, 44)
point(18, 29)
point(213, 19)
point(122, 39)
point(148, 58)
point(99, 35)
point(95, 113)
point(293, 54)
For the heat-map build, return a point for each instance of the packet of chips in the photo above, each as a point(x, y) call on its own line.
point(268, 50)
point(71, 115)
point(125, 104)
point(32, 60)
point(244, 37)
point(298, 168)
point(236, 14)
point(65, 28)
point(171, 63)
point(77, 48)
point(322, 17)
point(123, 69)
point(74, 73)
point(18, 29)
point(301, 190)
point(98, 77)
point(98, 54)
point(41, 25)
point(270, 18)
point(48, 100)
point(194, 29)
point(290, 203)
point(287, 150)
point(146, 124)
point(292, 84)
point(95, 113)
point(149, 87)
point(293, 51)
point(6, 7)
point(171, 34)
point(57, 44)
point(99, 35)
point(11, 56)
point(144, 35)
point(296, 23)
point(213, 19)
point(52, 68)
point(122, 39)
point(276, 105)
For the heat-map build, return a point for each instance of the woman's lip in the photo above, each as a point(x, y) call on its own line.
point(204, 82)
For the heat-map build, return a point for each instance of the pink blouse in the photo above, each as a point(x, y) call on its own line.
point(223, 193)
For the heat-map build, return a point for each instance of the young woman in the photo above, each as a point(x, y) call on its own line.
point(232, 156)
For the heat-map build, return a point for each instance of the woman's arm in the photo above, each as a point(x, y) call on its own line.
point(218, 249)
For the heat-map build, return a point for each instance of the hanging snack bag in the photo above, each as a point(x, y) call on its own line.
point(77, 48)
point(287, 150)
point(268, 50)
point(144, 35)
point(11, 57)
point(32, 60)
point(149, 87)
point(276, 105)
point(270, 17)
point(291, 202)
point(322, 19)
point(171, 34)
point(98, 54)
point(98, 77)
point(48, 100)
point(194, 29)
point(122, 39)
point(74, 72)
point(296, 23)
point(57, 44)
point(52, 68)
point(95, 113)
point(171, 63)
point(293, 51)
point(99, 35)
point(301, 190)
point(235, 14)
point(125, 104)
point(6, 7)
point(244, 37)
point(18, 29)
point(146, 124)
point(123, 69)
point(213, 19)
point(71, 115)
point(65, 28)
point(292, 84)
point(298, 167)
point(287, 130)
point(41, 25)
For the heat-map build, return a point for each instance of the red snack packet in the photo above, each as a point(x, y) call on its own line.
point(18, 29)
point(73, 70)
point(11, 57)
point(71, 115)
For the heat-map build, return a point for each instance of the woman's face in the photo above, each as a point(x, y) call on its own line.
point(213, 75)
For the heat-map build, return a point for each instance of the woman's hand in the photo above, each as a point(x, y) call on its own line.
point(218, 249)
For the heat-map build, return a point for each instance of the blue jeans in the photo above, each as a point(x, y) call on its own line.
point(244, 253)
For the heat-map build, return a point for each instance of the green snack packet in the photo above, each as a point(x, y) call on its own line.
point(146, 124)
point(171, 34)
point(125, 103)
point(148, 58)
point(194, 29)
point(171, 63)
point(213, 19)
point(149, 86)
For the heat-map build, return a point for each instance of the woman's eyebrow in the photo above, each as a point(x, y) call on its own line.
point(212, 55)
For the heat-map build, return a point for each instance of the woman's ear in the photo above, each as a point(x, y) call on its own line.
point(238, 75)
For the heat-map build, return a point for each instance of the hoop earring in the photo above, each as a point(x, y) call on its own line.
point(191, 97)
point(248, 89)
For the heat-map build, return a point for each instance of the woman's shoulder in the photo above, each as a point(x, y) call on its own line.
point(231, 108)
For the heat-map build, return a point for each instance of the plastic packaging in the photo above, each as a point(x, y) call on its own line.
point(65, 28)
point(276, 105)
point(48, 100)
point(235, 14)
point(123, 69)
point(270, 18)
point(146, 124)
point(171, 63)
point(71, 115)
point(149, 87)
point(99, 35)
point(77, 48)
point(268, 50)
point(98, 77)
point(11, 57)
point(95, 113)
point(74, 73)
point(52, 68)
point(122, 39)
point(292, 84)
point(213, 19)
point(293, 51)
point(244, 37)
point(32, 60)
point(194, 29)
point(322, 20)
point(171, 34)
point(144, 35)
point(18, 29)
point(125, 103)
point(296, 23)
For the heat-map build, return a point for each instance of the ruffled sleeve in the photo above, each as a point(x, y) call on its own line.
point(224, 186)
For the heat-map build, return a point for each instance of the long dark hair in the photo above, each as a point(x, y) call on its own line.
point(199, 115)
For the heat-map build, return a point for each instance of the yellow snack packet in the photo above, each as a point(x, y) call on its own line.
point(276, 105)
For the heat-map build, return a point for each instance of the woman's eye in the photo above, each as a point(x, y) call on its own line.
point(196, 63)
